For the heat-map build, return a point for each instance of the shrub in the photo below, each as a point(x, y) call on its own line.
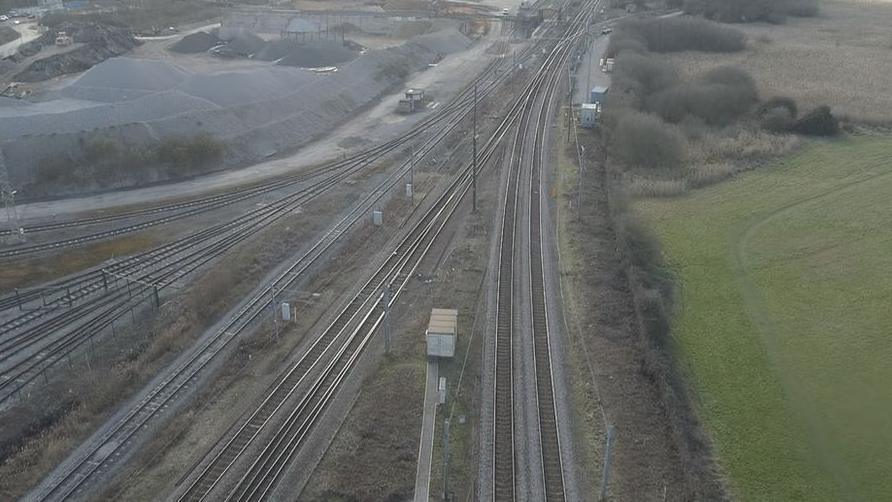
point(818, 122)
point(99, 150)
point(800, 8)
point(683, 34)
point(190, 153)
point(719, 97)
point(779, 102)
point(746, 11)
point(644, 140)
point(777, 120)
point(643, 75)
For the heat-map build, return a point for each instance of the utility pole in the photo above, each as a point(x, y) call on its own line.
point(385, 299)
point(274, 305)
point(591, 48)
point(446, 458)
point(569, 103)
point(474, 165)
point(412, 170)
point(579, 175)
point(7, 193)
point(605, 475)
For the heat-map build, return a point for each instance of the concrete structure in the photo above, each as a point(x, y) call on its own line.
point(412, 101)
point(441, 333)
point(598, 94)
point(589, 114)
point(428, 426)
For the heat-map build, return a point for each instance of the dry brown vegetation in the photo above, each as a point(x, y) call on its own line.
point(23, 272)
point(843, 59)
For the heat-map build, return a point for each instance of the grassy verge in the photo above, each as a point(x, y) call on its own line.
point(591, 426)
point(33, 271)
point(781, 317)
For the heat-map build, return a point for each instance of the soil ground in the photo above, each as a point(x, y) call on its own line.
point(840, 58)
point(782, 322)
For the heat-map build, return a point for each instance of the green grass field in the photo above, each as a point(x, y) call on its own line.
point(784, 320)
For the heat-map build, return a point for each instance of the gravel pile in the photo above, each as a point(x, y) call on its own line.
point(195, 43)
point(317, 55)
point(237, 88)
point(256, 111)
point(246, 44)
point(443, 42)
point(129, 73)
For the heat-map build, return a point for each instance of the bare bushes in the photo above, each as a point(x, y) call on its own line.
point(779, 115)
point(651, 283)
point(739, 144)
point(818, 122)
point(643, 140)
point(106, 163)
point(642, 75)
point(677, 34)
point(719, 97)
point(747, 11)
point(189, 155)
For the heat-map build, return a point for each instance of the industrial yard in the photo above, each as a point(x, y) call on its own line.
point(412, 250)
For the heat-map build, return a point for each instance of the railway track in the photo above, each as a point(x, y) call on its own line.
point(95, 457)
point(539, 107)
point(549, 438)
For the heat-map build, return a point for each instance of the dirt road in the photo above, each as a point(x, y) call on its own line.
point(28, 32)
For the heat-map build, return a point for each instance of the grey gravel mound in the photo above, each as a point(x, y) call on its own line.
point(195, 43)
point(277, 49)
point(255, 111)
point(443, 42)
point(317, 55)
point(236, 88)
point(128, 73)
point(246, 44)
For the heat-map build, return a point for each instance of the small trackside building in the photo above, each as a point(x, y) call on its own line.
point(598, 94)
point(441, 333)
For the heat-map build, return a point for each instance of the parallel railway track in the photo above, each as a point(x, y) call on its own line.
point(539, 106)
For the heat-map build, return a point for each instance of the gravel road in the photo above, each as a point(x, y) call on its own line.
point(28, 31)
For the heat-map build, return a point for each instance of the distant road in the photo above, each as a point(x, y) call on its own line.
point(27, 34)
point(181, 34)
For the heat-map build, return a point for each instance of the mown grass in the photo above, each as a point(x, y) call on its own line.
point(783, 316)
